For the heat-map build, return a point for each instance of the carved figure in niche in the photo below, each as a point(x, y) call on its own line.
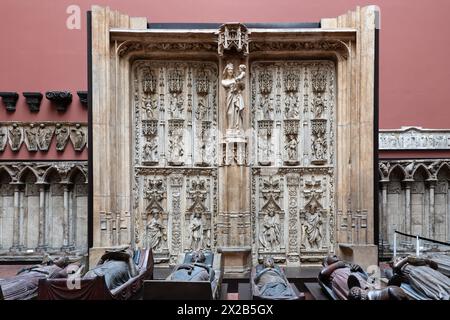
point(79, 138)
point(31, 134)
point(202, 109)
point(270, 236)
point(15, 137)
point(62, 134)
point(319, 147)
point(176, 106)
point(318, 105)
point(150, 105)
point(196, 231)
point(151, 150)
point(176, 146)
point(292, 106)
point(45, 135)
point(267, 107)
point(291, 147)
point(155, 230)
point(312, 225)
point(234, 101)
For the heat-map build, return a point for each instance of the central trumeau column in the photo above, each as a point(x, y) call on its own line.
point(234, 225)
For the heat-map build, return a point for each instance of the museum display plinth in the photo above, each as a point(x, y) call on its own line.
point(257, 141)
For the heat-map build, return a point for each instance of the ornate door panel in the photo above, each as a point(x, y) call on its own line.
point(175, 162)
point(293, 159)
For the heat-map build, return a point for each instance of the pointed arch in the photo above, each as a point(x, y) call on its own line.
point(397, 169)
point(25, 172)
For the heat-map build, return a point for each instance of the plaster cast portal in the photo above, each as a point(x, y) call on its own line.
point(178, 149)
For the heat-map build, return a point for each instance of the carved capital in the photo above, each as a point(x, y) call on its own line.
point(233, 36)
point(9, 100)
point(33, 100)
point(83, 95)
point(61, 99)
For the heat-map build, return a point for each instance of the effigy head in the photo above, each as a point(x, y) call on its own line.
point(61, 262)
point(198, 256)
point(268, 262)
point(330, 259)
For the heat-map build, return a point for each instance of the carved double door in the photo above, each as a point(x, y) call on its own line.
point(177, 156)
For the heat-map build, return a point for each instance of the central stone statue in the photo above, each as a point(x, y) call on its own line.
point(234, 102)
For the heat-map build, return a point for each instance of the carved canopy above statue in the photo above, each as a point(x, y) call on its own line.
point(257, 141)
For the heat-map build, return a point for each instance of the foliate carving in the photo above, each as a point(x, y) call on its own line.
point(233, 36)
point(265, 142)
point(31, 137)
point(15, 137)
point(176, 80)
point(291, 82)
point(148, 81)
point(270, 236)
point(45, 135)
point(78, 137)
point(62, 136)
point(176, 144)
point(319, 80)
point(149, 127)
point(61, 99)
point(176, 184)
point(180, 46)
point(336, 46)
point(293, 249)
point(202, 83)
point(411, 138)
point(319, 142)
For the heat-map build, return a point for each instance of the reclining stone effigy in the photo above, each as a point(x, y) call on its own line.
point(197, 276)
point(348, 281)
point(420, 279)
point(118, 275)
point(268, 281)
point(24, 286)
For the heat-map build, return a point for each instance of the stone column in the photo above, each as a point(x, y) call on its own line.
point(17, 228)
point(430, 224)
point(66, 219)
point(42, 245)
point(384, 225)
point(407, 205)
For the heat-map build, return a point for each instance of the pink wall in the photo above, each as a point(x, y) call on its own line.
point(38, 52)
